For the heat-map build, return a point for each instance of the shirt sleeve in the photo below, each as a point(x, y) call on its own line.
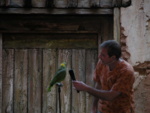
point(125, 82)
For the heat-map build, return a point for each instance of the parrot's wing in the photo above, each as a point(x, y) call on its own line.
point(59, 76)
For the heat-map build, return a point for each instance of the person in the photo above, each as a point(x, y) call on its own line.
point(114, 79)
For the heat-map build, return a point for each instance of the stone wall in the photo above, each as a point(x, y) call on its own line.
point(135, 40)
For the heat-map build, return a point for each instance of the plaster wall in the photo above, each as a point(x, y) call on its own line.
point(135, 36)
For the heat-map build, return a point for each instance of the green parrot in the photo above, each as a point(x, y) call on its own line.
point(59, 75)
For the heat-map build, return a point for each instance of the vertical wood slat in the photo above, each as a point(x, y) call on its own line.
point(72, 3)
point(78, 65)
point(94, 3)
point(64, 55)
point(116, 3)
point(8, 69)
point(35, 81)
point(39, 3)
point(106, 3)
point(116, 25)
point(61, 3)
point(20, 79)
point(49, 69)
point(91, 60)
point(17, 3)
point(1, 73)
point(83, 3)
point(107, 31)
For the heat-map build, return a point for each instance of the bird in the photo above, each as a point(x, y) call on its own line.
point(59, 76)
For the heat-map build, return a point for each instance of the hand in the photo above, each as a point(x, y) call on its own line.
point(79, 85)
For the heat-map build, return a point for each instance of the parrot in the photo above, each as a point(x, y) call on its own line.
point(59, 75)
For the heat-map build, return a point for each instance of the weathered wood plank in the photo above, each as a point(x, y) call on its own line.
point(72, 3)
point(1, 73)
point(116, 25)
point(61, 3)
point(99, 41)
point(83, 3)
point(8, 81)
point(35, 81)
point(65, 3)
point(107, 31)
point(91, 60)
point(78, 65)
point(20, 78)
point(39, 3)
point(106, 3)
point(17, 3)
point(64, 55)
point(50, 41)
point(52, 24)
point(116, 3)
point(94, 3)
point(49, 69)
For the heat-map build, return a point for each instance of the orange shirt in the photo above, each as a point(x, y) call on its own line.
point(121, 79)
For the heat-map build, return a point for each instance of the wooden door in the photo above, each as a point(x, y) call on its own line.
point(30, 61)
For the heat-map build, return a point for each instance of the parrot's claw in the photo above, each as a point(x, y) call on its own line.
point(59, 84)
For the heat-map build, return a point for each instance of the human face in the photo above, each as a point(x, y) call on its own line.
point(105, 57)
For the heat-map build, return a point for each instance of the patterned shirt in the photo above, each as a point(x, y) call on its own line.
point(121, 79)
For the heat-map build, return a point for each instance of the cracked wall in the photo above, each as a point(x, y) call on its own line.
point(135, 41)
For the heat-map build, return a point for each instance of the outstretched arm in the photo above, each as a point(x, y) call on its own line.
point(101, 94)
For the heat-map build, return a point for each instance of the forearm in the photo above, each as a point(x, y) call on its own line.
point(96, 92)
point(102, 94)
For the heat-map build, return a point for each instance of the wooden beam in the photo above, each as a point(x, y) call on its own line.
point(65, 3)
point(0, 73)
point(117, 24)
point(55, 11)
point(52, 41)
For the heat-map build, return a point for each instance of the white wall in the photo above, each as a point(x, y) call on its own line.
point(135, 22)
